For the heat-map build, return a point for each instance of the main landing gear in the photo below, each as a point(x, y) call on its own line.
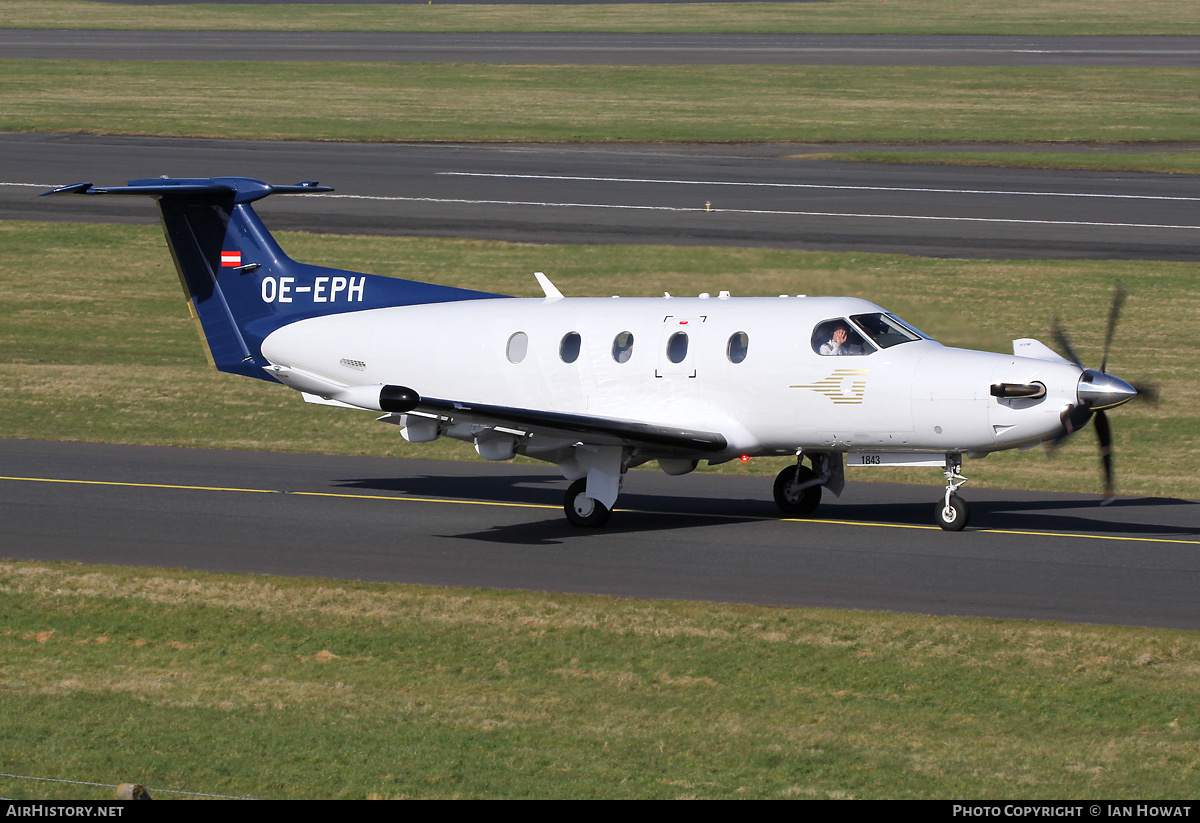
point(583, 510)
point(952, 513)
point(798, 489)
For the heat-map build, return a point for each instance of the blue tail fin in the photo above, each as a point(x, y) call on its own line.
point(239, 283)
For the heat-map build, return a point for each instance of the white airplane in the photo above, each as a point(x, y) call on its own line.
point(598, 385)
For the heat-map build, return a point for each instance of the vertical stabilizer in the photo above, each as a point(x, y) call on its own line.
point(239, 283)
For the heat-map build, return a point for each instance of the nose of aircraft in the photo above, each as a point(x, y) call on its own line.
point(1100, 390)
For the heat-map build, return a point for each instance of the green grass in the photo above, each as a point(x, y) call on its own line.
point(1064, 17)
point(98, 345)
point(1160, 162)
point(286, 688)
point(467, 102)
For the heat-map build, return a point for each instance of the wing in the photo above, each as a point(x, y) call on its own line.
point(539, 432)
point(561, 426)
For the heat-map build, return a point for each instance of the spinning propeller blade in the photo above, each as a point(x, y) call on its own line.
point(1104, 435)
point(1098, 391)
point(1148, 393)
point(1118, 301)
point(1064, 342)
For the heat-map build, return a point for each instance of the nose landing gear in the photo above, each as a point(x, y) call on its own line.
point(952, 513)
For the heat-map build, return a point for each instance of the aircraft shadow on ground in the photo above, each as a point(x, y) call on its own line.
point(1026, 515)
point(649, 512)
point(516, 488)
point(549, 490)
point(555, 530)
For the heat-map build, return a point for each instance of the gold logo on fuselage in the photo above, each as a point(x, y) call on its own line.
point(841, 387)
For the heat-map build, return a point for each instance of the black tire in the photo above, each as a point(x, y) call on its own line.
point(954, 518)
point(790, 502)
point(582, 510)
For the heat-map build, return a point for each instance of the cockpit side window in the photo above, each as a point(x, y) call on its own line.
point(884, 330)
point(839, 337)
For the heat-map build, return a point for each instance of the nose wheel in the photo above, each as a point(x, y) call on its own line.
point(952, 513)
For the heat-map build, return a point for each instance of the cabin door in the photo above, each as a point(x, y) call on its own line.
point(677, 347)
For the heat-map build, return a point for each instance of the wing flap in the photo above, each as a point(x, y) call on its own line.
point(584, 427)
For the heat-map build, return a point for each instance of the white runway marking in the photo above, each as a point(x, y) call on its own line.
point(769, 212)
point(765, 212)
point(813, 186)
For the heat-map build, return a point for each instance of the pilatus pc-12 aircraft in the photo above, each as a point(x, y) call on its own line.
point(596, 386)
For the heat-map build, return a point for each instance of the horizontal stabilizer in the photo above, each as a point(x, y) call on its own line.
point(241, 189)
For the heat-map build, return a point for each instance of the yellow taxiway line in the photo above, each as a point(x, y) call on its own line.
point(823, 521)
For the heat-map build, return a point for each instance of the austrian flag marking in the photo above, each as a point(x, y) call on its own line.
point(230, 259)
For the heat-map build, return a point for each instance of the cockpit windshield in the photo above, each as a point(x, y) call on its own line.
point(885, 330)
point(867, 334)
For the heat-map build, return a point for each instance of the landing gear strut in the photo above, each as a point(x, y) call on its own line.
point(952, 513)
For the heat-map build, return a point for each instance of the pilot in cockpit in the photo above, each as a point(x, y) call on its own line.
point(840, 340)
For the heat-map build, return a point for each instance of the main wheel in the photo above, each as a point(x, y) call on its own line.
point(583, 510)
point(953, 518)
point(793, 501)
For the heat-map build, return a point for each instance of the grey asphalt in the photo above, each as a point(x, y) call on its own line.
point(603, 48)
point(747, 195)
point(699, 537)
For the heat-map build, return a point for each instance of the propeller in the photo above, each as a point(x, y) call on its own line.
point(1098, 391)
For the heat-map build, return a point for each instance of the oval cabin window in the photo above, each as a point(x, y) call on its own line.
point(677, 347)
point(569, 350)
point(518, 346)
point(739, 344)
point(622, 347)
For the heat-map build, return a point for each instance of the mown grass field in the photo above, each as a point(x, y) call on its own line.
point(1063, 17)
point(477, 102)
point(99, 347)
point(288, 688)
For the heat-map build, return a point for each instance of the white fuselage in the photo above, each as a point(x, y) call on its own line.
point(782, 396)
